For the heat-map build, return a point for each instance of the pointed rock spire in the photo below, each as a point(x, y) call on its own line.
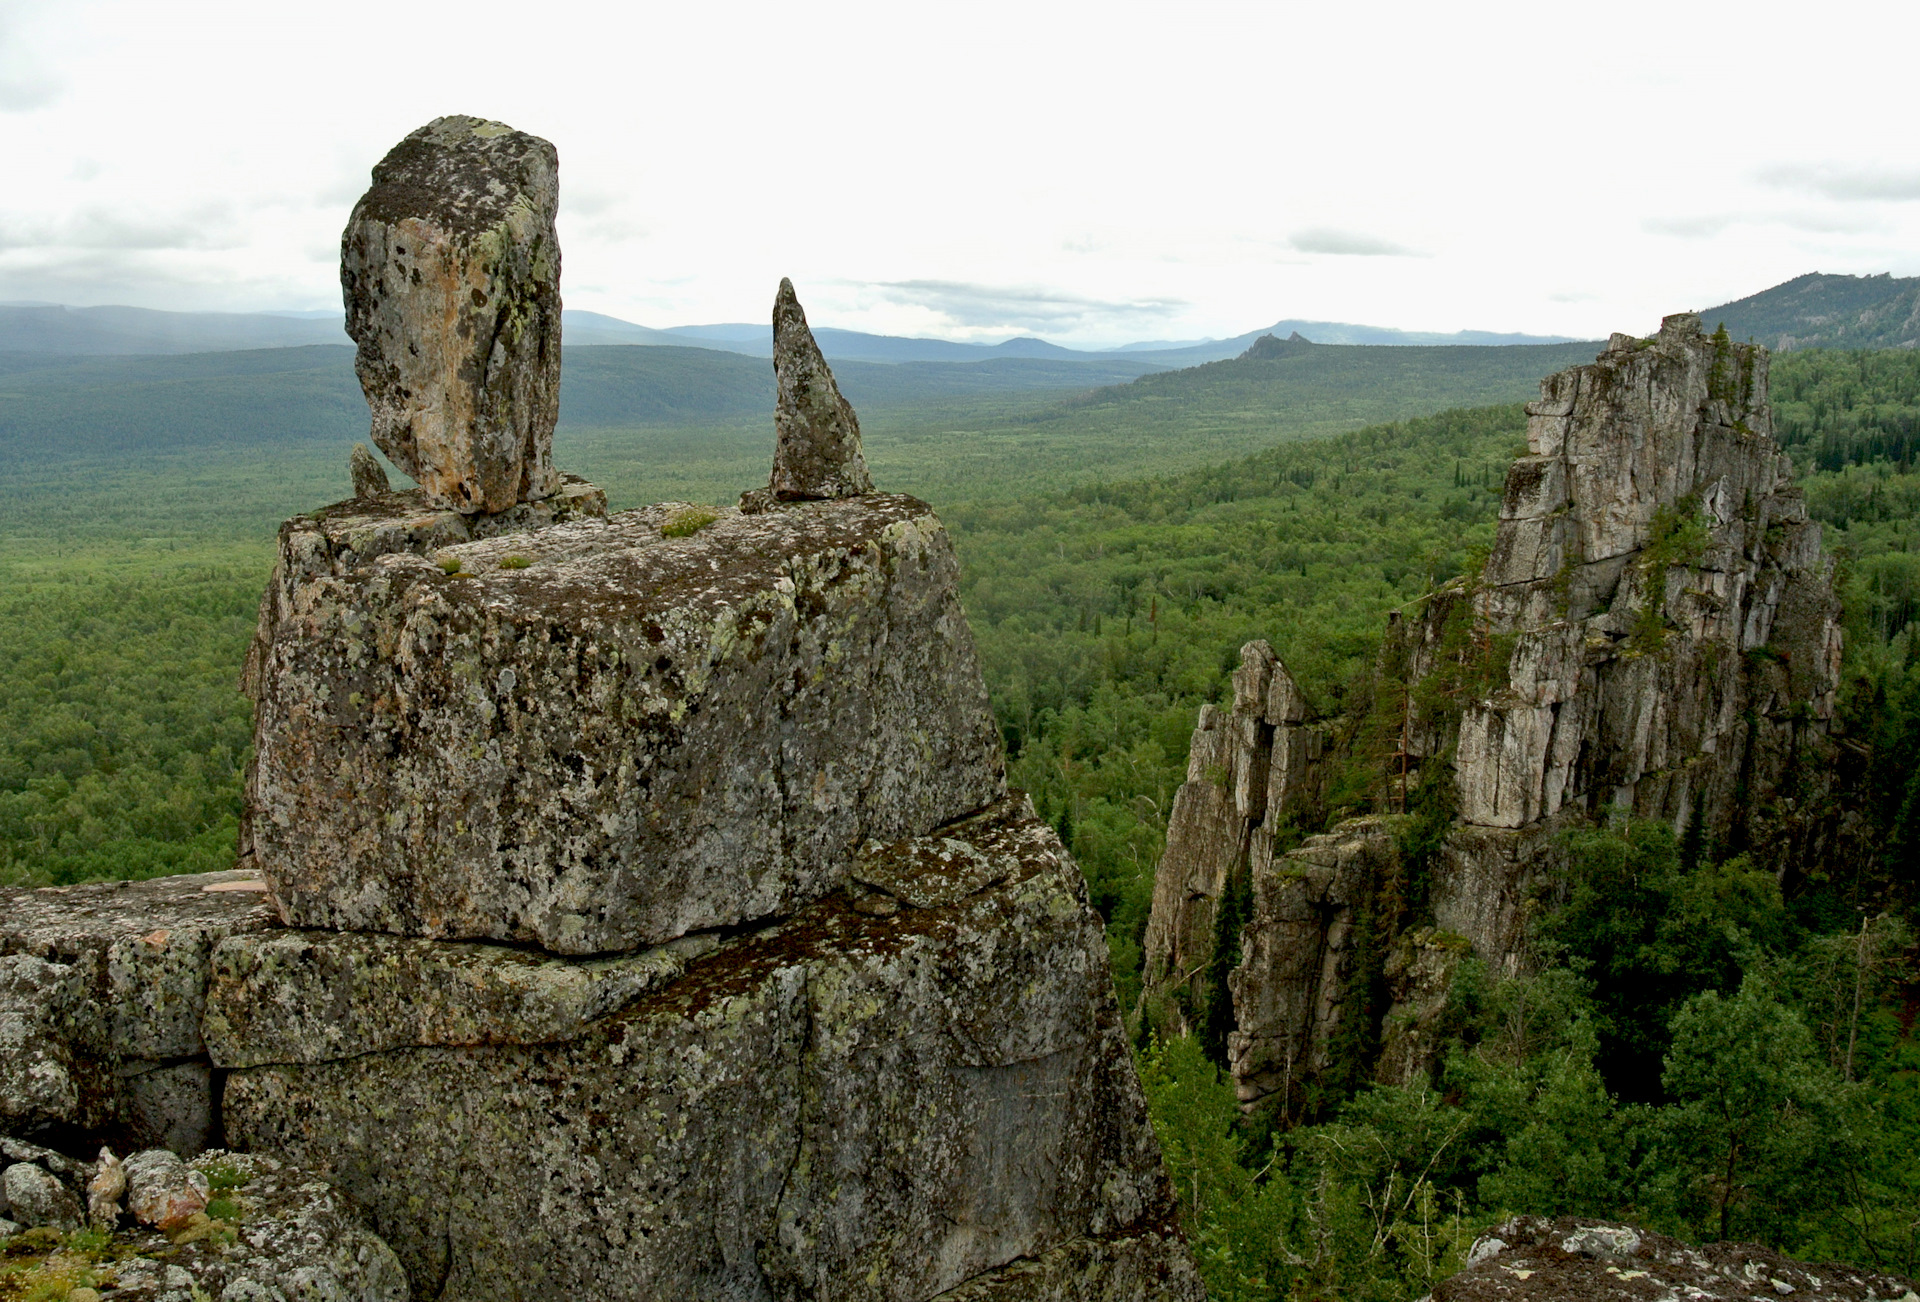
point(817, 437)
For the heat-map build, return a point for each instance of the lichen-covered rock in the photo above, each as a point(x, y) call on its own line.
point(450, 269)
point(163, 1192)
point(1141, 1267)
point(1530, 1259)
point(35, 1196)
point(857, 1103)
point(102, 987)
point(281, 1235)
point(817, 450)
point(369, 477)
point(596, 737)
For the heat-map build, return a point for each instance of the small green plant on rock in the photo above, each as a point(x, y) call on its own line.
point(449, 564)
point(685, 524)
point(514, 562)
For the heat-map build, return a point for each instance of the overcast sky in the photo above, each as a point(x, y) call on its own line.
point(1091, 173)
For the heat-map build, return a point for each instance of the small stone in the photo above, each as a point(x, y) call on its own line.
point(369, 477)
point(38, 1198)
point(451, 273)
point(163, 1191)
point(104, 1191)
point(817, 437)
point(10, 1228)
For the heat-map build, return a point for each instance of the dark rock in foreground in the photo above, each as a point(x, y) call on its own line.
point(1531, 1259)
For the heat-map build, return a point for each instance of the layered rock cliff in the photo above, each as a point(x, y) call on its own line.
point(1654, 633)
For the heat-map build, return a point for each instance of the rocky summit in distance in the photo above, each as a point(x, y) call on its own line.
point(1655, 633)
point(451, 273)
point(1572, 1259)
point(634, 908)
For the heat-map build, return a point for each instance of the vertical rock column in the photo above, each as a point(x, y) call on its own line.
point(451, 273)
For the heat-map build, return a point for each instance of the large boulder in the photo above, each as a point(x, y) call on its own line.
point(915, 1084)
point(451, 273)
point(607, 733)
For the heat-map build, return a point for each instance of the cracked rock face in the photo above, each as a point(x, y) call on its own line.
point(597, 737)
point(817, 436)
point(1655, 632)
point(102, 989)
point(1530, 1257)
point(451, 274)
point(859, 1102)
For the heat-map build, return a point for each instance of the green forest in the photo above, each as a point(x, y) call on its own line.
point(1118, 545)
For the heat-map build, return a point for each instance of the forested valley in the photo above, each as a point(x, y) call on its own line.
point(1785, 1102)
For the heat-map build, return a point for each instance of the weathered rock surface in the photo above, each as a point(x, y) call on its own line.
point(450, 269)
point(35, 1196)
point(163, 1192)
point(1530, 1257)
point(817, 436)
point(595, 737)
point(1655, 632)
point(283, 1235)
point(102, 989)
point(857, 1102)
point(369, 476)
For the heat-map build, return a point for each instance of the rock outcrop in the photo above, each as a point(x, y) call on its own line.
point(1655, 633)
point(816, 435)
point(451, 273)
point(1529, 1257)
point(102, 992)
point(280, 1233)
point(641, 913)
point(597, 736)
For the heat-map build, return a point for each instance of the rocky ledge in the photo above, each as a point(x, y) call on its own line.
point(917, 1083)
point(1531, 1259)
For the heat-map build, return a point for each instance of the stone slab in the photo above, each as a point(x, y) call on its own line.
point(596, 737)
point(854, 1103)
point(102, 989)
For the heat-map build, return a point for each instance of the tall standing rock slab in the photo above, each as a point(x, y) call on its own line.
point(817, 449)
point(451, 273)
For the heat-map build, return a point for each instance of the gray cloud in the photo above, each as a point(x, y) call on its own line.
point(995, 307)
point(1844, 183)
point(109, 228)
point(1358, 244)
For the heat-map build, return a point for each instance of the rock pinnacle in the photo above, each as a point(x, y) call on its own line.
point(817, 449)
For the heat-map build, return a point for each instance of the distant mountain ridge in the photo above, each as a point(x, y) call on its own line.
point(53, 329)
point(1823, 311)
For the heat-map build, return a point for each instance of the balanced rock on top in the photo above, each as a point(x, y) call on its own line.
point(817, 437)
point(451, 273)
